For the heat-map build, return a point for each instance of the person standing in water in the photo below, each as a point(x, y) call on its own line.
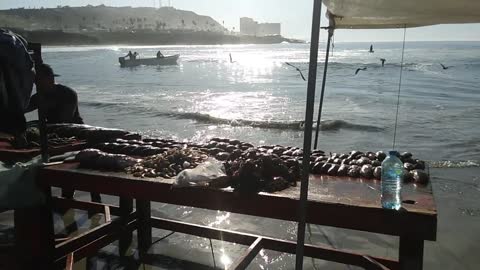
point(383, 61)
point(371, 48)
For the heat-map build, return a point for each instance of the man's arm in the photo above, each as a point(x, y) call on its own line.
point(33, 104)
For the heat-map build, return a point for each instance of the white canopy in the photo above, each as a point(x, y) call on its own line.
point(399, 13)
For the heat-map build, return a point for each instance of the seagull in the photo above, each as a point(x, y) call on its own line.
point(444, 67)
point(301, 74)
point(358, 70)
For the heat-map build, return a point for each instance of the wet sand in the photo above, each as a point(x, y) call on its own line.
point(456, 193)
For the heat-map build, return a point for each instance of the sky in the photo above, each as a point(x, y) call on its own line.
point(295, 16)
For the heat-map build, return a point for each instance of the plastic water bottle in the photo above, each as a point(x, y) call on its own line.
point(392, 175)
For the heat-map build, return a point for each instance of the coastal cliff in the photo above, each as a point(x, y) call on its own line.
point(95, 25)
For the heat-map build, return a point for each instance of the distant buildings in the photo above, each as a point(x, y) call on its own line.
point(250, 27)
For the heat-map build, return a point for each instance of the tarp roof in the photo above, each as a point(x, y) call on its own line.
point(365, 14)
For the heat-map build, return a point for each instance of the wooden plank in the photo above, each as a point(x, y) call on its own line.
point(75, 243)
point(10, 154)
point(126, 209)
point(144, 226)
point(92, 248)
point(346, 203)
point(411, 253)
point(245, 260)
point(69, 263)
point(62, 203)
point(34, 236)
point(108, 218)
point(314, 251)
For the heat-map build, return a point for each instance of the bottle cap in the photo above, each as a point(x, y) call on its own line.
point(393, 153)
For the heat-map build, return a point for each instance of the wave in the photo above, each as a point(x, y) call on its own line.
point(327, 125)
point(101, 104)
point(454, 164)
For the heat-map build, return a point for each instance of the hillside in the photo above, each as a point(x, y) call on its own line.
point(94, 25)
point(108, 19)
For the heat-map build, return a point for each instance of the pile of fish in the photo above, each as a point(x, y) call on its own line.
point(96, 159)
point(32, 135)
point(91, 134)
point(366, 165)
point(168, 164)
point(249, 169)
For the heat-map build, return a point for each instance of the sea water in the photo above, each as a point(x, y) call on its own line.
point(260, 99)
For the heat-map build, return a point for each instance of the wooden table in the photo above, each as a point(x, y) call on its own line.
point(9, 154)
point(333, 201)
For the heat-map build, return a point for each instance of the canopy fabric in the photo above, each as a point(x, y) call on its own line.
point(366, 14)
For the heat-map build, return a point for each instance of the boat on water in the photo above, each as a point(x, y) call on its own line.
point(167, 60)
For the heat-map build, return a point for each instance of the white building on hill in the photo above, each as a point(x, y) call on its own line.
point(250, 27)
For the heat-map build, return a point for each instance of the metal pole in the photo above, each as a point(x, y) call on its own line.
point(307, 142)
point(325, 67)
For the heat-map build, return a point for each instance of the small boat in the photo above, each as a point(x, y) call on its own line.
point(167, 60)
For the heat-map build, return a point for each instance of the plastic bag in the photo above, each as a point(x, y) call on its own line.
point(201, 175)
point(18, 188)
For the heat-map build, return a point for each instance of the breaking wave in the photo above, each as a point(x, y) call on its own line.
point(284, 125)
point(454, 164)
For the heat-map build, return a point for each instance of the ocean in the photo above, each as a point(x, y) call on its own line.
point(259, 99)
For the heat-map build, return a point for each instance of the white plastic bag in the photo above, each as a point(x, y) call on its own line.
point(201, 175)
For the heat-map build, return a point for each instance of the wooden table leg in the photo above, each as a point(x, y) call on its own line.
point(126, 207)
point(411, 253)
point(144, 232)
point(34, 236)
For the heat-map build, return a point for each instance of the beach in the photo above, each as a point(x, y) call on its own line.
point(257, 98)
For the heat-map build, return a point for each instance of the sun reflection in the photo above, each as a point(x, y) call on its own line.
point(252, 68)
point(220, 219)
point(225, 260)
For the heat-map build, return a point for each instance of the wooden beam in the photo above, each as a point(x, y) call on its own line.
point(314, 251)
point(144, 232)
point(69, 263)
point(77, 242)
point(355, 217)
point(108, 218)
point(63, 203)
point(92, 248)
point(126, 209)
point(410, 253)
point(244, 261)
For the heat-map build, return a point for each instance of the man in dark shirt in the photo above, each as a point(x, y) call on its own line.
point(61, 102)
point(61, 106)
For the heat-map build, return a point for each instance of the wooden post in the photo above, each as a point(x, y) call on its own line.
point(410, 253)
point(34, 236)
point(126, 207)
point(144, 232)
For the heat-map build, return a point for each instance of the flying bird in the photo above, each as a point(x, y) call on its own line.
point(358, 70)
point(301, 74)
point(444, 67)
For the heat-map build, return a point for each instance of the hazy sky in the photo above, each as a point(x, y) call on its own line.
point(295, 16)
